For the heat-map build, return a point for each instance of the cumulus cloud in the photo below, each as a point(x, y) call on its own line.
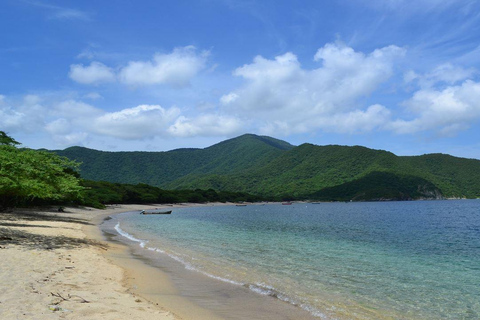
point(64, 134)
point(176, 68)
point(95, 73)
point(26, 115)
point(290, 99)
point(65, 121)
point(11, 118)
point(136, 123)
point(205, 125)
point(72, 122)
point(358, 121)
point(74, 110)
point(444, 111)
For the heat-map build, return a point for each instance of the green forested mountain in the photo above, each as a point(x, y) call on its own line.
point(38, 177)
point(162, 168)
point(274, 168)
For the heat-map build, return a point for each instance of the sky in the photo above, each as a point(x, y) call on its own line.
point(396, 75)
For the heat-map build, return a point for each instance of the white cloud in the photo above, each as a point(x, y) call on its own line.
point(357, 121)
point(136, 123)
point(64, 133)
point(72, 122)
point(31, 100)
point(205, 125)
point(443, 74)
point(11, 118)
point(95, 73)
point(228, 98)
point(26, 115)
point(175, 69)
point(446, 112)
point(74, 110)
point(58, 126)
point(286, 98)
point(71, 139)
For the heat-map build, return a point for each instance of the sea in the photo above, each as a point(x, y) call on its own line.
point(355, 260)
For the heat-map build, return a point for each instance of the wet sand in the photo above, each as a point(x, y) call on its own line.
point(63, 266)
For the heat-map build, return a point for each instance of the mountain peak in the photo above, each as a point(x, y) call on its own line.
point(250, 138)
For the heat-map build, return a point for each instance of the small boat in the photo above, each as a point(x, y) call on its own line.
point(155, 212)
point(241, 205)
point(286, 203)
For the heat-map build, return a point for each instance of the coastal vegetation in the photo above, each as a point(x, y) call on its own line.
point(35, 177)
point(276, 170)
point(246, 168)
point(100, 193)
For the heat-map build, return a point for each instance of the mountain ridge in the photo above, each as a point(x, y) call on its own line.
point(271, 167)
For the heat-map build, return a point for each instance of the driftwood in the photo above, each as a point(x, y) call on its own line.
point(67, 299)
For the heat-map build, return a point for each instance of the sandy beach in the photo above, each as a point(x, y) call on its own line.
point(61, 265)
point(58, 266)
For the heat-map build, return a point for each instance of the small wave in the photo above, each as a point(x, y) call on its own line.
point(259, 288)
point(142, 244)
point(129, 236)
point(222, 279)
point(266, 290)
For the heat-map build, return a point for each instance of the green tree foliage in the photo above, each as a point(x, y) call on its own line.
point(6, 140)
point(161, 168)
point(275, 169)
point(34, 177)
point(380, 186)
point(99, 193)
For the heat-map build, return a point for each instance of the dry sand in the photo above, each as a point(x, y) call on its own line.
point(56, 266)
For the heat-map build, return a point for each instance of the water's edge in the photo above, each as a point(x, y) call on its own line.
point(225, 299)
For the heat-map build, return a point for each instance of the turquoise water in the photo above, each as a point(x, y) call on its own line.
point(387, 260)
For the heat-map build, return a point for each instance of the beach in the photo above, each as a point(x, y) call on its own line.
point(61, 265)
point(57, 265)
point(77, 265)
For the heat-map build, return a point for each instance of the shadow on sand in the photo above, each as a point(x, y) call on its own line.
point(28, 240)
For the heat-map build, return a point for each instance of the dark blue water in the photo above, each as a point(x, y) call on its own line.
point(400, 260)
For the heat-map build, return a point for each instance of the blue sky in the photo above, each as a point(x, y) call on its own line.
point(397, 75)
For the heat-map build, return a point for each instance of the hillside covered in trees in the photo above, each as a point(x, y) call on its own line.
point(276, 170)
point(37, 177)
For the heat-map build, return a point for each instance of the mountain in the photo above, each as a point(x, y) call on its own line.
point(274, 168)
point(162, 168)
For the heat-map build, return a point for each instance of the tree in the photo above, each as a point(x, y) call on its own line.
point(6, 140)
point(29, 176)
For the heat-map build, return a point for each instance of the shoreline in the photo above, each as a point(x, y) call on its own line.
point(224, 299)
point(139, 271)
point(103, 278)
point(60, 266)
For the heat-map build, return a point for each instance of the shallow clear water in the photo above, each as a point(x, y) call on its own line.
point(401, 260)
